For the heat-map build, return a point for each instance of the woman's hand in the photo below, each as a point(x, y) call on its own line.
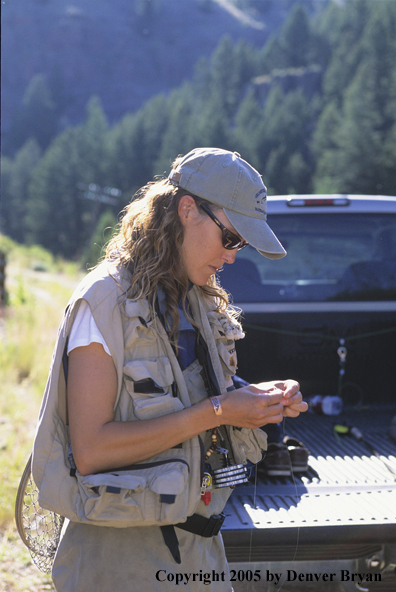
point(292, 400)
point(252, 406)
point(258, 404)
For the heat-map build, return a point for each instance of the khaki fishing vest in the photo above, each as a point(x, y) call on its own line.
point(165, 489)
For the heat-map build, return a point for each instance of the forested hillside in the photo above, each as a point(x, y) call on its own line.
point(314, 109)
point(56, 54)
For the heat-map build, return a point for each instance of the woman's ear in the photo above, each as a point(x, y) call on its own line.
point(187, 209)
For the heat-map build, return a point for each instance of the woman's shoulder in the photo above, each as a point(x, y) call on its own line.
point(107, 281)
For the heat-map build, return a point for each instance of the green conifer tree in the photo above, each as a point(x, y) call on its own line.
point(16, 175)
point(36, 118)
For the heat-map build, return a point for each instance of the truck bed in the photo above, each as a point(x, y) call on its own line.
point(342, 509)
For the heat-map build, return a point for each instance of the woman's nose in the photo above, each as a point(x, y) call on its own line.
point(229, 255)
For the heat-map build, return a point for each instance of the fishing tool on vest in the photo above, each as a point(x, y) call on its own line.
point(206, 495)
point(214, 447)
point(229, 475)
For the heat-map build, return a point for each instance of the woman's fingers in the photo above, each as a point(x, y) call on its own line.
point(294, 409)
point(293, 405)
point(293, 399)
point(253, 407)
point(268, 402)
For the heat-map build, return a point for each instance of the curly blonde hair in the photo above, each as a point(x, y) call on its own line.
point(149, 240)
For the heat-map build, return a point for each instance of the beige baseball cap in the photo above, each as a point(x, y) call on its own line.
point(229, 182)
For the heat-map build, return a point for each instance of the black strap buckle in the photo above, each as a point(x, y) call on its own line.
point(213, 525)
point(205, 527)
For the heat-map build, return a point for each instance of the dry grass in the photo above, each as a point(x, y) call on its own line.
point(17, 572)
point(38, 289)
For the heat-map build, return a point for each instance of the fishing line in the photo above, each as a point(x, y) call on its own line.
point(254, 505)
point(298, 497)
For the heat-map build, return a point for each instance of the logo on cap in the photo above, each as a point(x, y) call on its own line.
point(261, 198)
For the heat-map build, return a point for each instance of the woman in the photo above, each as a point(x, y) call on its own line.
point(143, 446)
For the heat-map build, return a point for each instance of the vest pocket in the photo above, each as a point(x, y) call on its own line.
point(225, 331)
point(150, 384)
point(144, 494)
point(247, 444)
point(228, 358)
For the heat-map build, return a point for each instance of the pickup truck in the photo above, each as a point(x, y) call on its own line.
point(324, 315)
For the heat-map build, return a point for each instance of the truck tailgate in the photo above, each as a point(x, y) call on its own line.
point(348, 495)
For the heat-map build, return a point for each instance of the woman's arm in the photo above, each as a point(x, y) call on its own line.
point(99, 443)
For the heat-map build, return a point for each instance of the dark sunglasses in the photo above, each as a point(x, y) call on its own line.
point(230, 240)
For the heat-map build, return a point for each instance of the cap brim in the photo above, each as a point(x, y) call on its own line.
point(257, 233)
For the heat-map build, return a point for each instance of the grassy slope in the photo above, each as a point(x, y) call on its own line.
point(38, 289)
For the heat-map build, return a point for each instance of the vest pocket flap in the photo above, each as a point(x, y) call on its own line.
point(158, 372)
point(149, 493)
point(149, 383)
point(147, 408)
point(171, 481)
point(122, 480)
point(261, 438)
point(161, 478)
point(136, 308)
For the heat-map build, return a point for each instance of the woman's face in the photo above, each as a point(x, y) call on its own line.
point(202, 250)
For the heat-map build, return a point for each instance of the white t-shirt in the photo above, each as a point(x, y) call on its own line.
point(84, 330)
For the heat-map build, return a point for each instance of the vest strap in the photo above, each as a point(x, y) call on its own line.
point(205, 527)
point(170, 540)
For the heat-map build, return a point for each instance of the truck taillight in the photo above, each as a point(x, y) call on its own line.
point(317, 201)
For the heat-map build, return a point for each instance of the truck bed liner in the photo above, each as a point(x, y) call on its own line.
point(347, 489)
